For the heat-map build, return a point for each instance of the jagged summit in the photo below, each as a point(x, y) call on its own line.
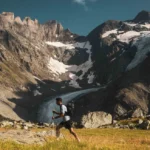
point(114, 52)
point(32, 29)
point(143, 16)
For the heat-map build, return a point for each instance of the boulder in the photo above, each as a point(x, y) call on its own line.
point(140, 121)
point(96, 119)
point(145, 125)
point(28, 124)
point(132, 126)
point(137, 113)
point(46, 124)
point(17, 126)
point(9, 16)
point(25, 128)
point(124, 126)
point(114, 121)
point(18, 20)
point(6, 124)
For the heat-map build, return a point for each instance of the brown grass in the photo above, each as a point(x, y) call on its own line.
point(92, 139)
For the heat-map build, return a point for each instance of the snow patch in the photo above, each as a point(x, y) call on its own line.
point(72, 76)
point(109, 32)
point(128, 36)
point(131, 24)
point(39, 79)
point(60, 44)
point(36, 93)
point(98, 84)
point(146, 26)
point(91, 78)
point(75, 84)
point(59, 68)
point(55, 56)
point(53, 90)
point(143, 48)
point(83, 45)
point(113, 59)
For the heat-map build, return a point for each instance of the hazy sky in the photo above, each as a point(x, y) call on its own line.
point(80, 16)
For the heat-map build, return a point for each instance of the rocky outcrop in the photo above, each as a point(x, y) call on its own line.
point(126, 96)
point(27, 137)
point(142, 17)
point(96, 119)
point(137, 113)
point(26, 60)
point(31, 52)
point(24, 125)
point(31, 29)
point(145, 125)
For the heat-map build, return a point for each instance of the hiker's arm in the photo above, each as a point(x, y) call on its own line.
point(60, 116)
point(56, 112)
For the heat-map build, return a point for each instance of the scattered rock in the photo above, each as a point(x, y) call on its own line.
point(137, 113)
point(25, 128)
point(132, 126)
point(145, 125)
point(114, 121)
point(29, 125)
point(27, 137)
point(6, 124)
point(17, 127)
point(125, 127)
point(140, 121)
point(96, 119)
point(46, 124)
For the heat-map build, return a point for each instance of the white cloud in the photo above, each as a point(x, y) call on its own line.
point(81, 2)
point(84, 2)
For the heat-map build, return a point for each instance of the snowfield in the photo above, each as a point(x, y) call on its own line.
point(139, 39)
point(125, 37)
point(59, 44)
point(128, 36)
point(121, 36)
point(143, 48)
point(106, 34)
point(146, 25)
point(59, 68)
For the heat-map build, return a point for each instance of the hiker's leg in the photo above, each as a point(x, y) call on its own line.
point(74, 134)
point(58, 130)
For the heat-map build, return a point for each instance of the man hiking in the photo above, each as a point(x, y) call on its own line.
point(66, 119)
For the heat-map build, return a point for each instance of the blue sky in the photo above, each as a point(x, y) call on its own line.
point(80, 16)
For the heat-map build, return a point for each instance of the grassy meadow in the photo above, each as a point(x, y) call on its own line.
point(91, 139)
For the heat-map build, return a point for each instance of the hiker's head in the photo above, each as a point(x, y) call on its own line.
point(58, 101)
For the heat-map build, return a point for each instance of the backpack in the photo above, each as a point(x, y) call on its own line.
point(70, 109)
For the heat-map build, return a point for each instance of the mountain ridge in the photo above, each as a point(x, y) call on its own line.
point(38, 61)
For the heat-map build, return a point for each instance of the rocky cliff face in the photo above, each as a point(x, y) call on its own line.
point(142, 17)
point(37, 61)
point(42, 60)
point(121, 50)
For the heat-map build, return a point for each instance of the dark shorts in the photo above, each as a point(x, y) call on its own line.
point(67, 124)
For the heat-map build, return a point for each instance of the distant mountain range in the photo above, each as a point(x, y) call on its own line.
point(42, 60)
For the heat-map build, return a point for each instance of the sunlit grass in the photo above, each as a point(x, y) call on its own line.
point(91, 139)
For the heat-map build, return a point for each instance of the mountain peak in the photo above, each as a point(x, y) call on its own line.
point(9, 16)
point(143, 16)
